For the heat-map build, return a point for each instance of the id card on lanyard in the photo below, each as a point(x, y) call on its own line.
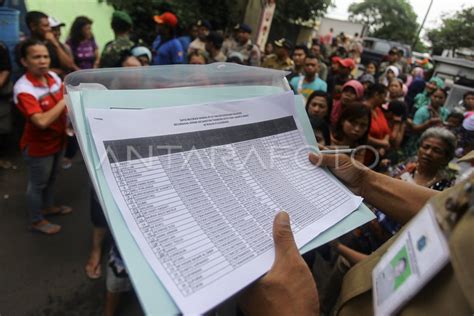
point(417, 255)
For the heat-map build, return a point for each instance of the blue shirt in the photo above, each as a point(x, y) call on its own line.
point(424, 114)
point(167, 53)
point(306, 88)
point(185, 41)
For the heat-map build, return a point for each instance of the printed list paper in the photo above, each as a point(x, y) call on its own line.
point(199, 186)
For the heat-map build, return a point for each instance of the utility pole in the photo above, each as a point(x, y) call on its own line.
point(421, 26)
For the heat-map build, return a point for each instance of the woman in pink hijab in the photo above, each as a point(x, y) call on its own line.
point(351, 91)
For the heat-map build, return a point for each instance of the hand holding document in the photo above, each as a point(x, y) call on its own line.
point(289, 287)
point(198, 187)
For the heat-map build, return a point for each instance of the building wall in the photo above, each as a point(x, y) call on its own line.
point(67, 10)
point(305, 35)
point(349, 28)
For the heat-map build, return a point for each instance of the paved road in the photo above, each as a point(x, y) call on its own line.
point(44, 275)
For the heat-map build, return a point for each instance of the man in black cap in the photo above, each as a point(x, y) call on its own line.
point(281, 58)
point(199, 43)
point(244, 45)
point(214, 47)
point(392, 60)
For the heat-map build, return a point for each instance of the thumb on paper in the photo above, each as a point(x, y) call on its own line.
point(283, 236)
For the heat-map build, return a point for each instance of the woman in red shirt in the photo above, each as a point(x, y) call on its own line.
point(38, 94)
point(379, 133)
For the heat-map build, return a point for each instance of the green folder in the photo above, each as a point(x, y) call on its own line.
point(154, 298)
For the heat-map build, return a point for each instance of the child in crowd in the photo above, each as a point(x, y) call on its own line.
point(351, 91)
point(197, 58)
point(468, 101)
point(352, 129)
point(454, 121)
point(396, 90)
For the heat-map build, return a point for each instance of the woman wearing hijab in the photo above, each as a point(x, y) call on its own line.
point(351, 91)
point(391, 73)
point(424, 98)
point(434, 114)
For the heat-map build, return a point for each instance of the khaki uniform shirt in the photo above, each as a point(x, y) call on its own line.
point(450, 292)
point(273, 62)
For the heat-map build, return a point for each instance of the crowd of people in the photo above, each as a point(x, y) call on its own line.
point(392, 115)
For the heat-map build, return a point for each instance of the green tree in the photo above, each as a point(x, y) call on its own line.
point(420, 47)
point(392, 20)
point(456, 31)
point(300, 10)
point(222, 14)
point(226, 14)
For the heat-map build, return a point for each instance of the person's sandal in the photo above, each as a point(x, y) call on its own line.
point(45, 227)
point(58, 210)
point(93, 272)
